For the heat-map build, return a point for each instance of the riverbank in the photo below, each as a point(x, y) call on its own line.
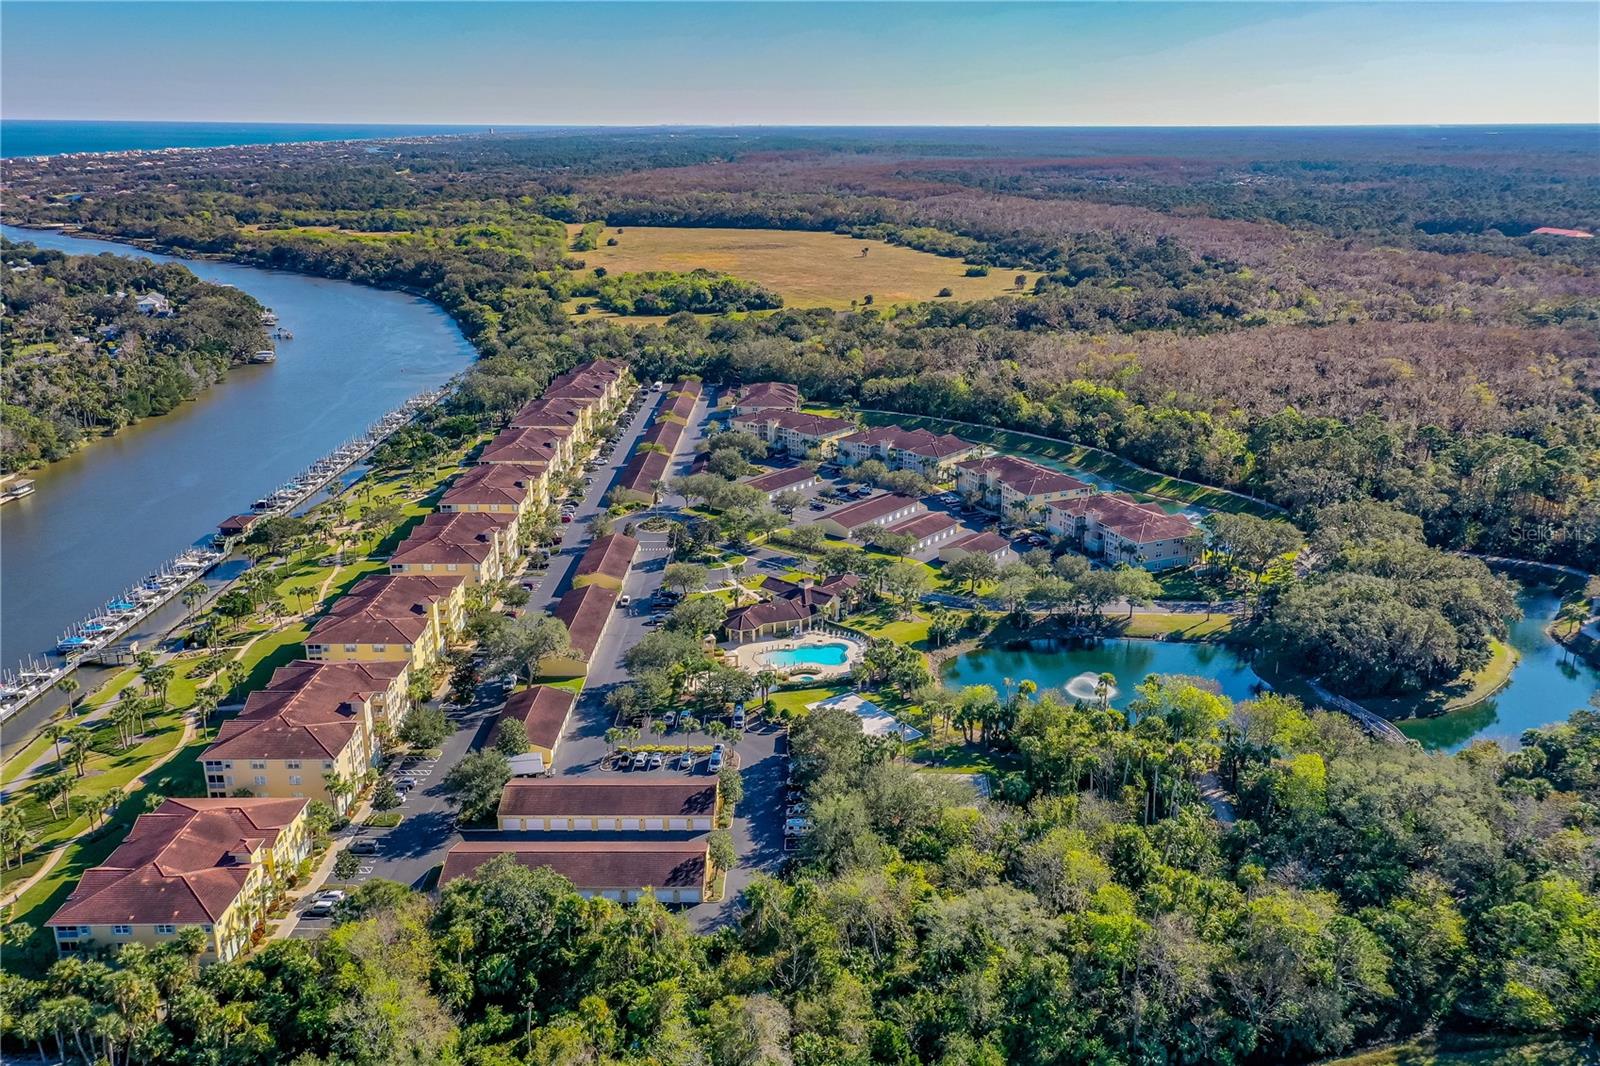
point(358, 352)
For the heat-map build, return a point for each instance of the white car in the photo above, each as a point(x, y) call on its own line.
point(641, 760)
point(624, 600)
point(655, 761)
point(796, 827)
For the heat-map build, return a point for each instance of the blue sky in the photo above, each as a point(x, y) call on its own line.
point(834, 63)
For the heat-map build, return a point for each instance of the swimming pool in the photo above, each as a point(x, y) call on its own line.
point(808, 655)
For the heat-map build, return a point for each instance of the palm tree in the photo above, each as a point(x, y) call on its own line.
point(15, 836)
point(105, 805)
point(205, 702)
point(67, 686)
point(766, 680)
point(54, 790)
point(55, 732)
point(1103, 686)
point(80, 738)
point(193, 597)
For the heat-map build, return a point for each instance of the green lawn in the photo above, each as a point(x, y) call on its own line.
point(25, 758)
point(1175, 626)
point(1472, 686)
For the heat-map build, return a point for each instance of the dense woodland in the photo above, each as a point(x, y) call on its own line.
point(79, 358)
point(1093, 912)
point(1357, 326)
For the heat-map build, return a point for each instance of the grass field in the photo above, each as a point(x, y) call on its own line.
point(808, 269)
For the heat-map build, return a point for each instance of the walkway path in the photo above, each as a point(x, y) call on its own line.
point(14, 892)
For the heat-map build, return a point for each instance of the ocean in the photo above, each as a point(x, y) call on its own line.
point(24, 137)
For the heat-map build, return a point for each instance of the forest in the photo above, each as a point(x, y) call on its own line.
point(1092, 911)
point(80, 359)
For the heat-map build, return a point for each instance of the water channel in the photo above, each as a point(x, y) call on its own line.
point(106, 516)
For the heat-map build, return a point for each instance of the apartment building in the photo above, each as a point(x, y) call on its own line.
point(933, 455)
point(796, 433)
point(388, 618)
point(1119, 529)
point(1015, 489)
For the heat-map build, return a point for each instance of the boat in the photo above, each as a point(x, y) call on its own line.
point(266, 355)
point(16, 489)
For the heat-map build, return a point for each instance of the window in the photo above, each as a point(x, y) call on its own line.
point(349, 647)
point(122, 930)
point(380, 648)
point(327, 764)
point(166, 930)
point(294, 779)
point(261, 779)
point(293, 764)
point(258, 764)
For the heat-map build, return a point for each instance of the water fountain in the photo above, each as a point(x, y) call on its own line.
point(1086, 686)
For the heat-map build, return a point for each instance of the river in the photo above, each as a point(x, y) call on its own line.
point(1546, 685)
point(106, 516)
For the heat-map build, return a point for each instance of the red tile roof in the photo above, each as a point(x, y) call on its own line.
point(585, 612)
point(986, 543)
point(643, 471)
point(919, 442)
point(549, 411)
point(924, 525)
point(1021, 475)
point(870, 510)
point(788, 609)
point(535, 444)
point(185, 863)
point(664, 432)
point(308, 710)
point(383, 609)
point(802, 422)
point(493, 483)
point(609, 556)
point(591, 865)
point(777, 480)
point(462, 537)
point(768, 394)
point(1141, 523)
point(579, 797)
point(543, 711)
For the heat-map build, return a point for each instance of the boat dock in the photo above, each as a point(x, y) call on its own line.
point(91, 639)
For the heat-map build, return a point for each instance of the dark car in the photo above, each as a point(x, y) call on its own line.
point(364, 846)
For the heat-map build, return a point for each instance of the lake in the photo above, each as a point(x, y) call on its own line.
point(106, 516)
point(1546, 685)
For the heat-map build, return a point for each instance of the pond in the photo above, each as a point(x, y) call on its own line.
point(1546, 686)
point(1074, 668)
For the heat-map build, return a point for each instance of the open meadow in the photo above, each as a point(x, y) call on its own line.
point(809, 269)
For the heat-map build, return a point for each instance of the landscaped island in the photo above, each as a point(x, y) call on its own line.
point(94, 343)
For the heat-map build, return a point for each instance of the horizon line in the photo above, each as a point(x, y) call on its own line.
point(1415, 124)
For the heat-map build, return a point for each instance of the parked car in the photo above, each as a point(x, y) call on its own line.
point(668, 719)
point(641, 760)
point(329, 896)
point(656, 760)
point(715, 762)
point(686, 762)
point(818, 505)
point(796, 827)
point(738, 719)
point(364, 846)
point(624, 601)
point(319, 909)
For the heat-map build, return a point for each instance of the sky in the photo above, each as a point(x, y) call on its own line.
point(1067, 64)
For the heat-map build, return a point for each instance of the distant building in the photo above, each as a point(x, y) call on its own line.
point(797, 433)
point(774, 482)
point(1121, 530)
point(884, 509)
point(153, 304)
point(585, 610)
point(927, 530)
point(766, 396)
point(1016, 489)
point(607, 561)
point(930, 454)
point(191, 863)
point(990, 544)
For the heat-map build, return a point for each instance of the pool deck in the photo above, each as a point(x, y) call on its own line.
point(753, 656)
